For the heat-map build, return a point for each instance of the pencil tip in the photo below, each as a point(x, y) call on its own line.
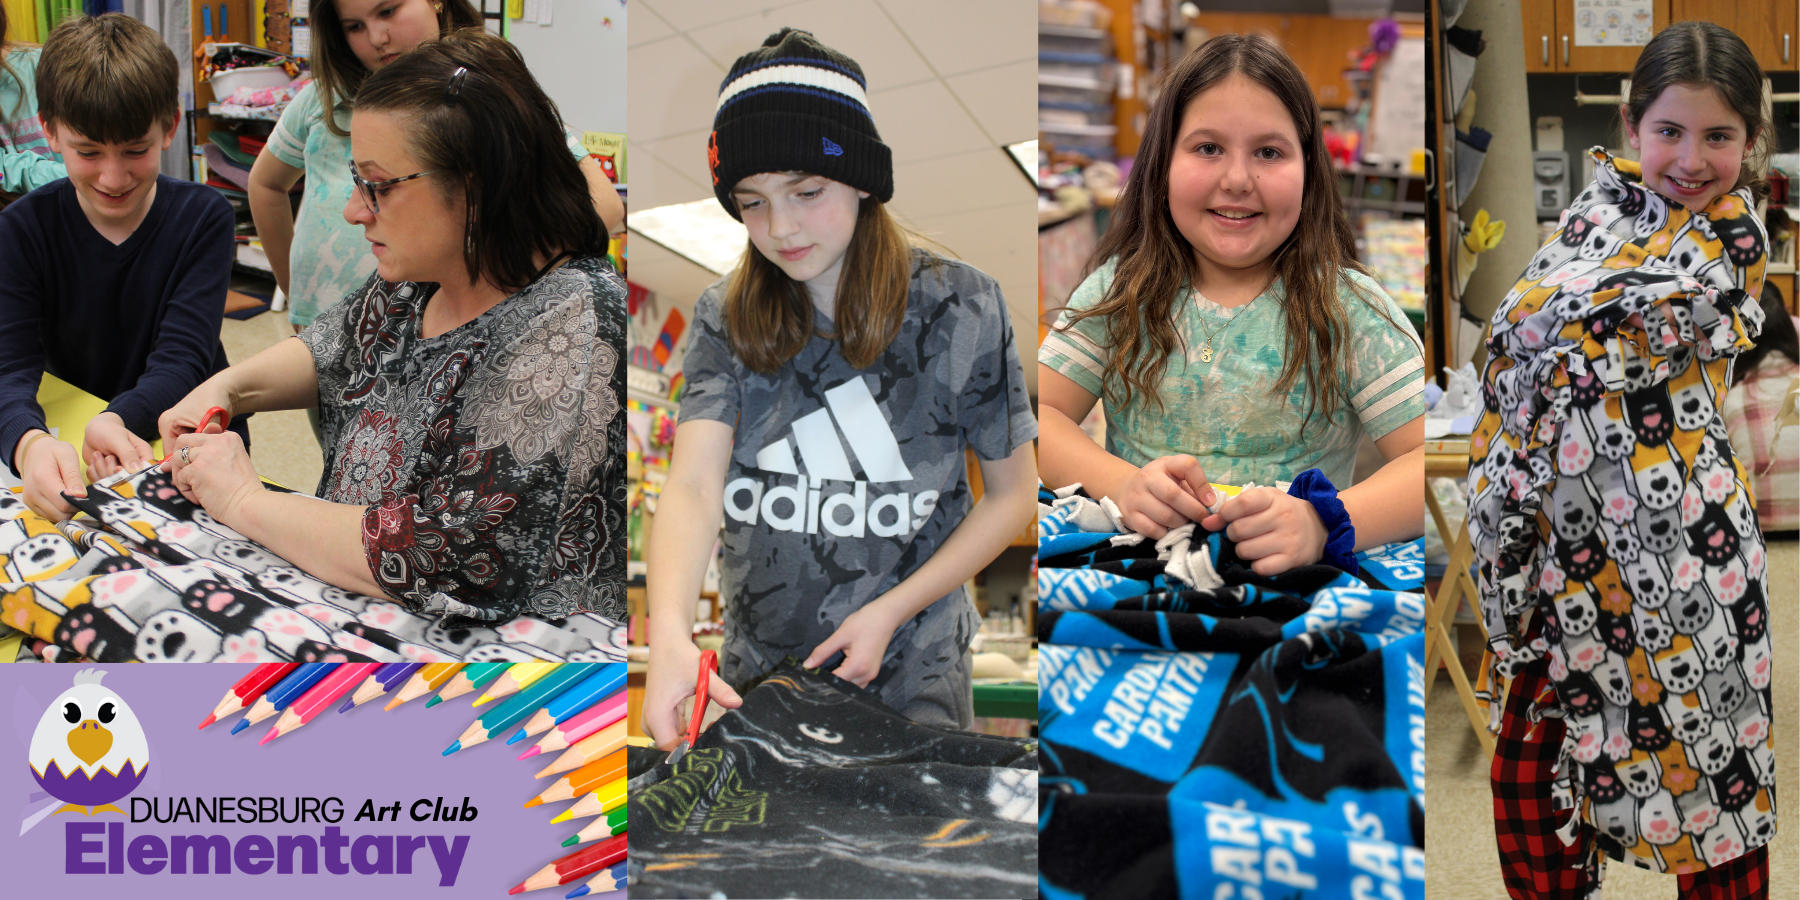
point(430, 703)
point(273, 734)
point(484, 698)
point(532, 752)
point(520, 889)
point(393, 703)
point(572, 840)
point(535, 801)
point(454, 746)
point(563, 816)
point(240, 726)
point(516, 738)
point(349, 705)
point(209, 721)
point(578, 892)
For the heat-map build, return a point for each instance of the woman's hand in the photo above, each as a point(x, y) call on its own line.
point(49, 469)
point(670, 679)
point(184, 417)
point(864, 639)
point(108, 447)
point(1166, 493)
point(1274, 531)
point(213, 469)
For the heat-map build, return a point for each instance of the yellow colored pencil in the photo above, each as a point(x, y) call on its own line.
point(517, 678)
point(598, 803)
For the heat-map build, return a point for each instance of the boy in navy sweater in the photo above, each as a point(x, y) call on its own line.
point(114, 278)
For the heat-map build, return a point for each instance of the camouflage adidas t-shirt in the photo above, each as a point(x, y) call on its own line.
point(843, 482)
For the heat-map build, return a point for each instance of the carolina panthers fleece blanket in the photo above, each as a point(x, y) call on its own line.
point(814, 788)
point(1226, 732)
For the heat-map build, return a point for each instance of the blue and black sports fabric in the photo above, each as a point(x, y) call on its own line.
point(1263, 732)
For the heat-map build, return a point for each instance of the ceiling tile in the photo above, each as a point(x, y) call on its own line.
point(959, 36)
point(687, 15)
point(924, 121)
point(672, 87)
point(657, 179)
point(646, 26)
point(858, 29)
point(1003, 99)
point(675, 279)
point(979, 180)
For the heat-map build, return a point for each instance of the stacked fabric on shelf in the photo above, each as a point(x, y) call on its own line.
point(815, 788)
point(1230, 734)
point(148, 576)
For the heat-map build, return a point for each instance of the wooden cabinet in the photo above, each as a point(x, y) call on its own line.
point(1767, 26)
point(1320, 45)
point(1550, 39)
point(1771, 28)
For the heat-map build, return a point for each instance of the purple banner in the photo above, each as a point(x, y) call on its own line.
point(352, 805)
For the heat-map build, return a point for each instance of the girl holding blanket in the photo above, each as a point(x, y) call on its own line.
point(1638, 724)
point(1233, 336)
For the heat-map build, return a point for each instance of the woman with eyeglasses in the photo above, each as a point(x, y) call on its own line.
point(471, 393)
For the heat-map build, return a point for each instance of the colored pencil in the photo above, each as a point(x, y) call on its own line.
point(323, 694)
point(589, 692)
point(599, 828)
point(517, 678)
point(574, 731)
point(424, 682)
point(283, 693)
point(249, 688)
point(380, 683)
point(471, 677)
point(522, 704)
point(577, 865)
point(598, 803)
point(610, 880)
point(603, 743)
point(583, 780)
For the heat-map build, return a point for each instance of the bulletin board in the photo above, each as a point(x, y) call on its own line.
point(1397, 116)
point(579, 58)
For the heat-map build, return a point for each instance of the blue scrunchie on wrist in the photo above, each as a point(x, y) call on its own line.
point(1340, 535)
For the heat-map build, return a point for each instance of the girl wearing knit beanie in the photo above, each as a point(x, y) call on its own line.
point(834, 382)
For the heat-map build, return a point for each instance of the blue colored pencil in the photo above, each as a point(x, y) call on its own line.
point(586, 693)
point(522, 704)
point(611, 879)
point(289, 690)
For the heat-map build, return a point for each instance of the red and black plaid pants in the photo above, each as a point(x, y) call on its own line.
point(1533, 860)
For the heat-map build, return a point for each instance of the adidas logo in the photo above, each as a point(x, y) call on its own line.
point(850, 418)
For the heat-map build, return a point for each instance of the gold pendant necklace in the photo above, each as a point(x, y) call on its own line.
point(1206, 351)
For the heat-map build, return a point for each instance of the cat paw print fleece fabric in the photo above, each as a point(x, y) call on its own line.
point(1607, 501)
point(145, 575)
point(1210, 732)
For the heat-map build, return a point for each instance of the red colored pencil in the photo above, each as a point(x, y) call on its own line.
point(576, 866)
point(588, 721)
point(329, 690)
point(249, 688)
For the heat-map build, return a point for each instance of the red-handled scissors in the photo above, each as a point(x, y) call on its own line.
point(709, 664)
point(216, 411)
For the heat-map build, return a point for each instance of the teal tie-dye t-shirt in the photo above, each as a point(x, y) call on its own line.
point(1224, 412)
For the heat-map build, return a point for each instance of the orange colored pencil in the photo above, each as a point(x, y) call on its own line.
point(424, 682)
point(329, 690)
point(583, 780)
point(513, 680)
point(249, 688)
point(575, 866)
point(598, 803)
point(600, 744)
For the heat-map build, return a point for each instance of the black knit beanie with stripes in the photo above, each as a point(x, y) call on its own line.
point(796, 105)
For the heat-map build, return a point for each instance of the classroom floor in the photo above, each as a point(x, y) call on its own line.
point(281, 443)
point(1459, 807)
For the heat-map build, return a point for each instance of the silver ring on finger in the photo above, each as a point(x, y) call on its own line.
point(184, 455)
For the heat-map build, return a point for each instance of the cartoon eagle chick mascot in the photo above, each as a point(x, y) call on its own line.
point(89, 749)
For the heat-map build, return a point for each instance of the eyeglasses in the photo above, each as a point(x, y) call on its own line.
point(368, 188)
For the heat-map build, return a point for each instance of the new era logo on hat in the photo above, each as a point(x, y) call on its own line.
point(831, 149)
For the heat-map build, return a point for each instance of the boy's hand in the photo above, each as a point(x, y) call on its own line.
point(670, 679)
point(1273, 530)
point(184, 417)
point(1166, 493)
point(109, 446)
point(50, 469)
point(864, 639)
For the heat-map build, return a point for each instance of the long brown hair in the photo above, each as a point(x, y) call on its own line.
point(1701, 54)
point(769, 318)
point(499, 142)
point(338, 74)
point(1155, 263)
